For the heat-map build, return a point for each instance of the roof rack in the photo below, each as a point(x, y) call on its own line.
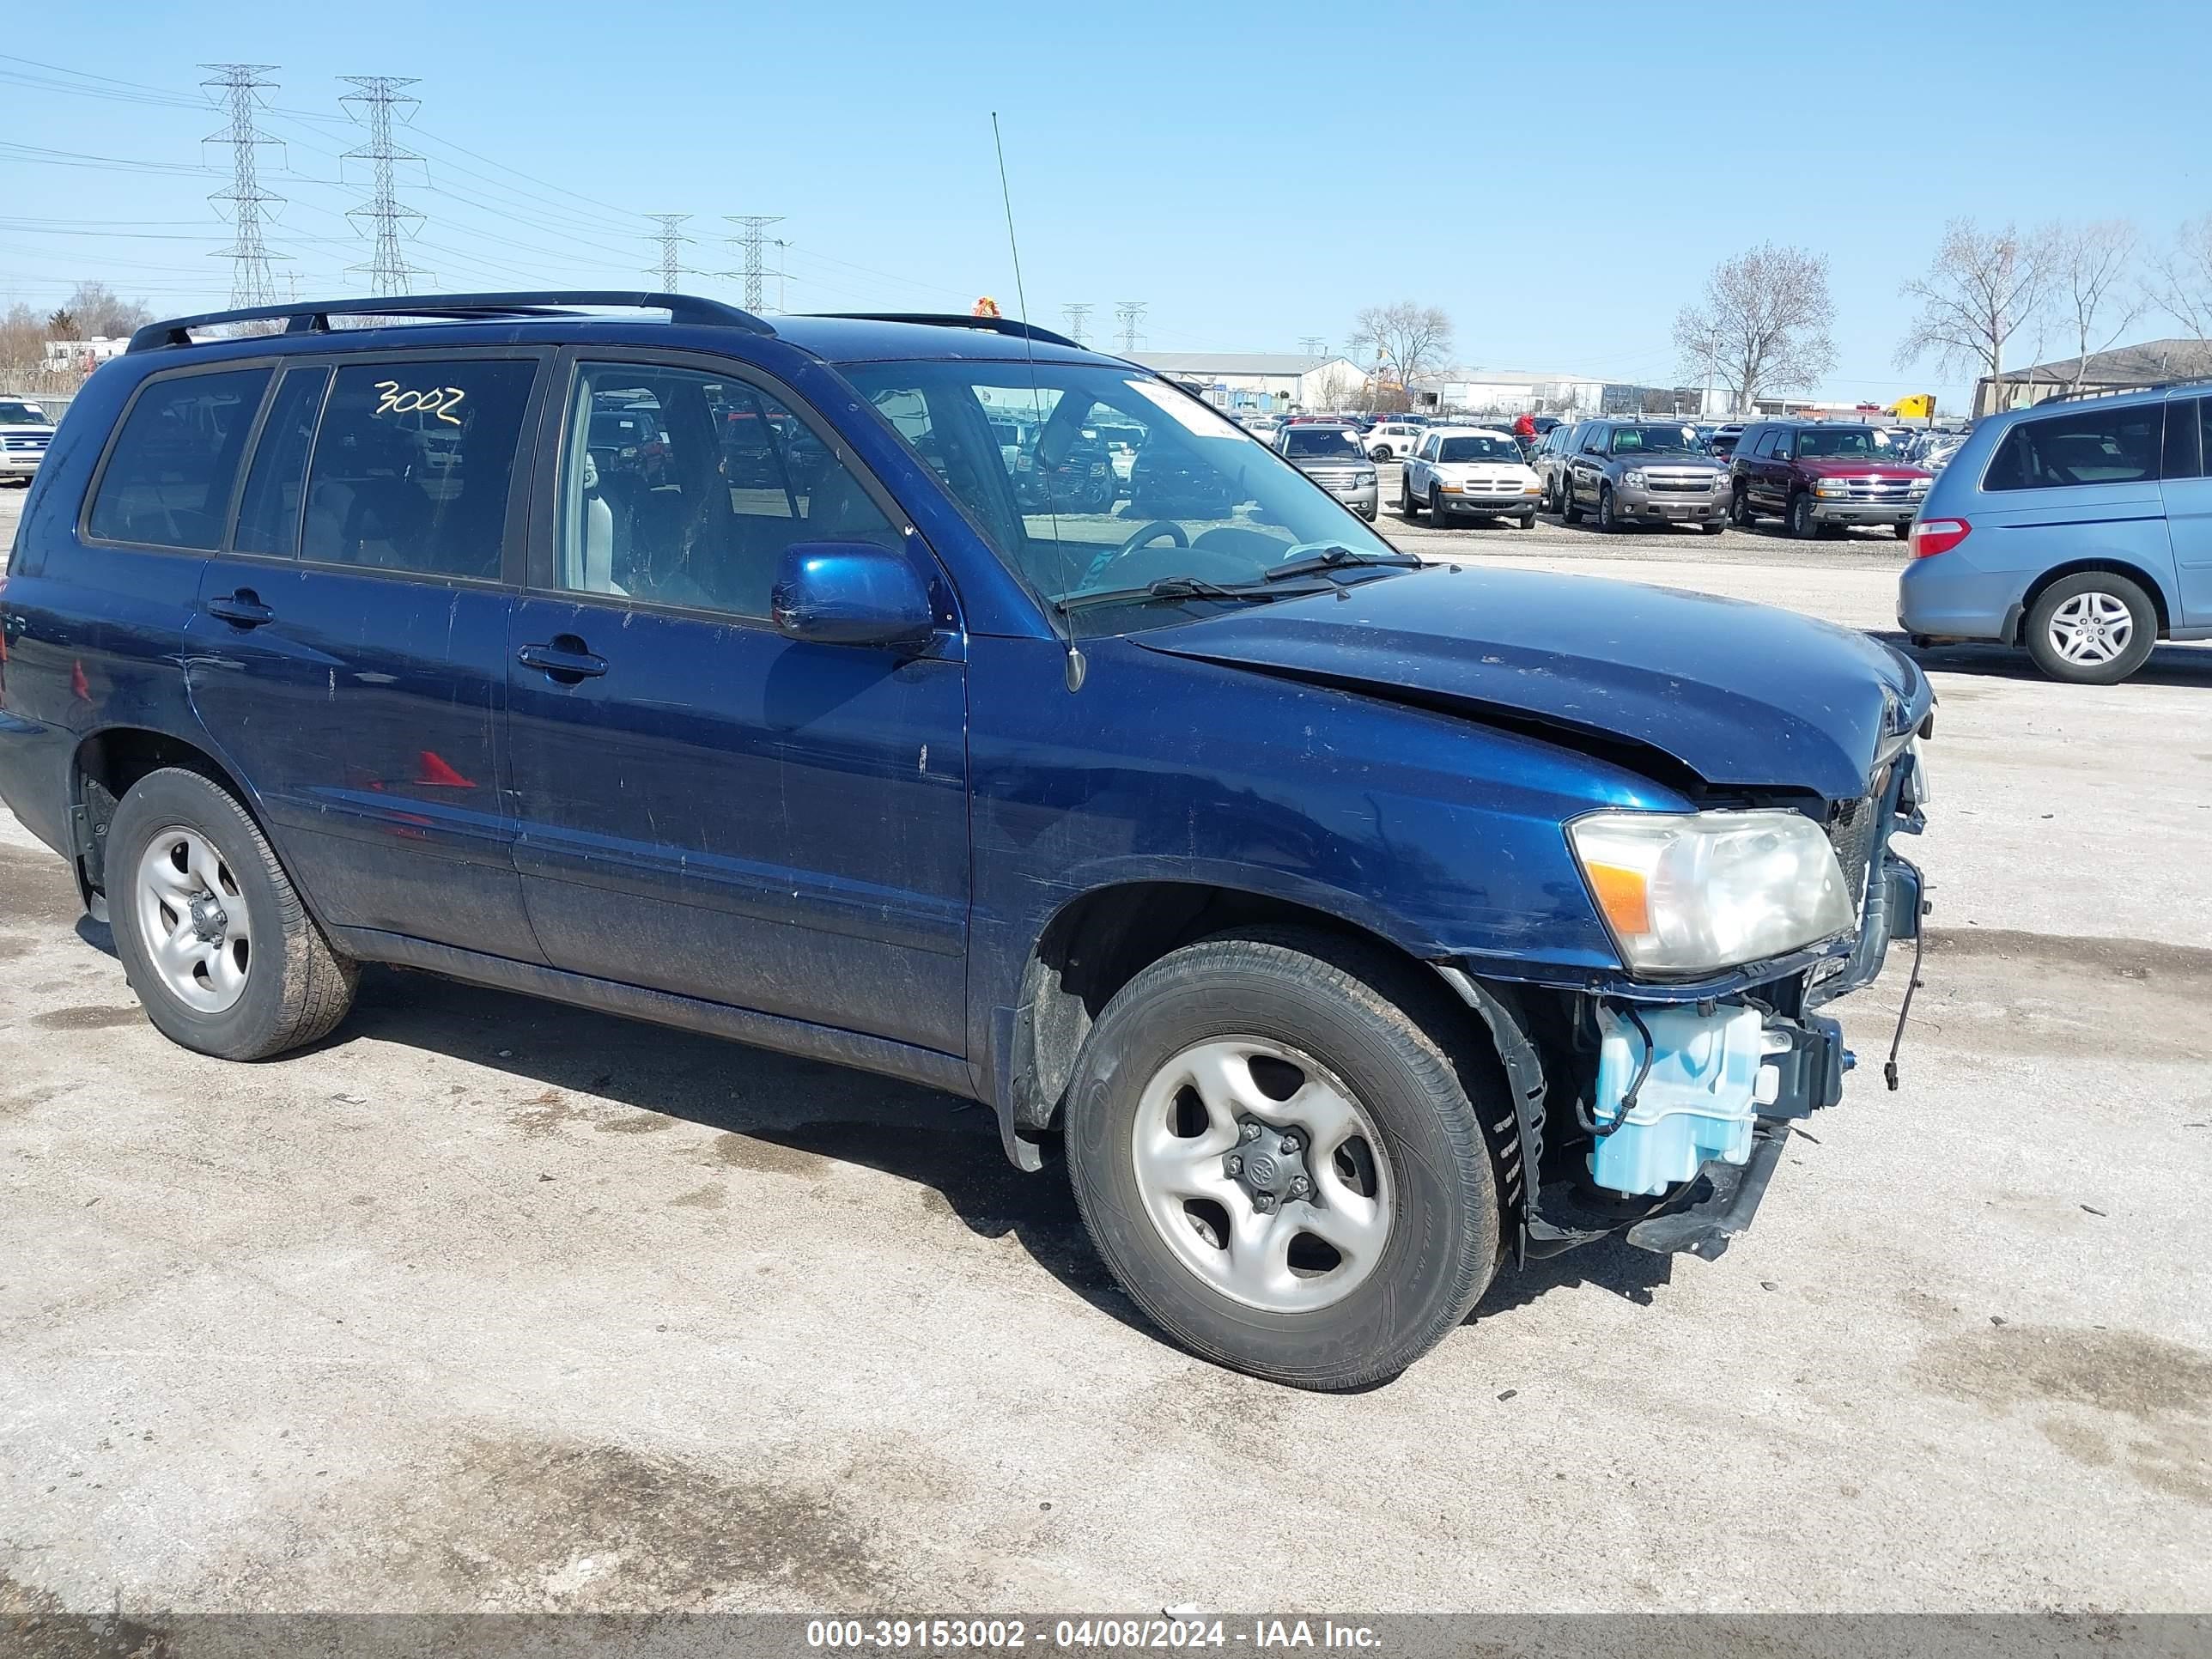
point(314, 318)
point(1010, 325)
point(2114, 391)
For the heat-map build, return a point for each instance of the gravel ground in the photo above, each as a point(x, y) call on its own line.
point(486, 1303)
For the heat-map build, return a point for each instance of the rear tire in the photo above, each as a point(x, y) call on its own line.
point(2092, 628)
point(1713, 527)
point(181, 850)
point(1177, 1056)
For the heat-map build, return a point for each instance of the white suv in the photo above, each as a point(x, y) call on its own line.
point(1469, 469)
point(1389, 438)
point(25, 432)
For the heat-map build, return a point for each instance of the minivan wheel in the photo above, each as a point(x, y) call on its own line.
point(212, 934)
point(2092, 628)
point(1273, 1145)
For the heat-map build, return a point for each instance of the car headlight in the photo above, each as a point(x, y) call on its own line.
point(1830, 490)
point(1718, 480)
point(1633, 476)
point(1366, 478)
point(1693, 892)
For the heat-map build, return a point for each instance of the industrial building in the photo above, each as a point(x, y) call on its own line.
point(1516, 392)
point(1265, 382)
point(2124, 368)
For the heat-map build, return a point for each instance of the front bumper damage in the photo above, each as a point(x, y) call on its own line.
point(1698, 1204)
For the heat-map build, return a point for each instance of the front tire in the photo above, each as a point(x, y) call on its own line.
point(1802, 524)
point(2092, 628)
point(1527, 521)
point(1607, 519)
point(1569, 512)
point(1232, 1071)
point(1439, 514)
point(212, 934)
point(1740, 512)
point(1408, 509)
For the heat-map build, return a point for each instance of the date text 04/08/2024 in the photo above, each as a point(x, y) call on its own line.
point(1111, 1634)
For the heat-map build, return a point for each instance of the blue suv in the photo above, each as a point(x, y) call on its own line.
point(2079, 529)
point(1350, 923)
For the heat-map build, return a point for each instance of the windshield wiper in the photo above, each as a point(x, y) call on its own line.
point(1336, 558)
point(1167, 587)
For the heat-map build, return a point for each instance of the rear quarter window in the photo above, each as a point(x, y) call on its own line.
point(168, 481)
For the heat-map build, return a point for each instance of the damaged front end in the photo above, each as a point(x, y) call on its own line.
point(1658, 1111)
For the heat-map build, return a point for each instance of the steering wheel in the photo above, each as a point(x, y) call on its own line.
point(1142, 537)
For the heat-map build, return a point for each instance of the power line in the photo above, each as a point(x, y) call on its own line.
point(670, 268)
point(1314, 346)
point(1129, 313)
point(248, 254)
point(1078, 316)
point(750, 227)
point(379, 95)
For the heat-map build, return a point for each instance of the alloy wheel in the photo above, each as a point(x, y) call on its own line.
point(193, 919)
point(1264, 1175)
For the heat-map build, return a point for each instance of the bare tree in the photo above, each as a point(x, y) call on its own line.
point(2181, 278)
point(1411, 337)
point(1981, 288)
point(2091, 265)
point(1761, 326)
point(102, 313)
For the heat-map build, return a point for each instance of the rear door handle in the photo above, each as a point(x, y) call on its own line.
point(565, 659)
point(243, 609)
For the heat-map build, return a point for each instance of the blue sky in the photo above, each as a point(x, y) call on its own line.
point(1558, 179)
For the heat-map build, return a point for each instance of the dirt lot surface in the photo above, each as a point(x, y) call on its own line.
point(487, 1303)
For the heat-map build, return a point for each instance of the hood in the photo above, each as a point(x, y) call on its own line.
point(1741, 695)
point(1844, 466)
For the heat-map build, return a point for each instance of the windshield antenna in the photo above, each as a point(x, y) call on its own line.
point(1076, 666)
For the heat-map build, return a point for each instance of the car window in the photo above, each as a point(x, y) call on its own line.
point(685, 487)
point(1203, 498)
point(1839, 443)
point(269, 512)
point(168, 480)
point(2092, 446)
point(1593, 442)
point(1324, 442)
point(2183, 458)
point(1478, 447)
point(412, 463)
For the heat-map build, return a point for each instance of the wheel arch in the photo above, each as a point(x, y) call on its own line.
point(105, 764)
point(1097, 941)
point(2161, 601)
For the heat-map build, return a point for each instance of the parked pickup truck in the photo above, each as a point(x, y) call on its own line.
point(1352, 926)
point(1817, 478)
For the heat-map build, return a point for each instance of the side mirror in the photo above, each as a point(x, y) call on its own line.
point(851, 593)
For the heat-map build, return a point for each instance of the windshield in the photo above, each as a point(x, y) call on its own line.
point(1643, 440)
point(1332, 441)
point(1202, 498)
point(1850, 442)
point(1478, 448)
point(15, 414)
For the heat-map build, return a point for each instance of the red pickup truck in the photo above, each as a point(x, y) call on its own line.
point(1817, 478)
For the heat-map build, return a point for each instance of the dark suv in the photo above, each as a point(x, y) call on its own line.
point(1817, 478)
point(1628, 472)
point(1352, 924)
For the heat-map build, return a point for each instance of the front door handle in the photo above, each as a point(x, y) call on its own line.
point(565, 659)
point(243, 609)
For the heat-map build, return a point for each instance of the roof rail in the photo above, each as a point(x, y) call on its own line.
point(1010, 325)
point(314, 317)
point(2113, 390)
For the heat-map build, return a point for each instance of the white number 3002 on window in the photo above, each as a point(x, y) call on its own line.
point(439, 400)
